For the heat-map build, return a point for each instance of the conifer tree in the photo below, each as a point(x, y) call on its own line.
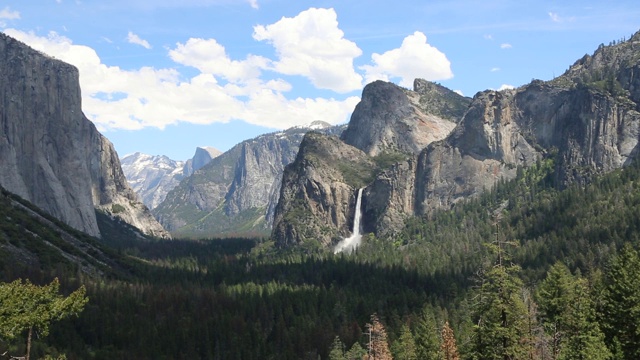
point(378, 343)
point(621, 303)
point(449, 348)
point(569, 316)
point(500, 330)
point(404, 348)
point(426, 336)
point(337, 350)
point(356, 352)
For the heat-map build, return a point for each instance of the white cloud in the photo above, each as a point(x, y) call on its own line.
point(135, 39)
point(505, 46)
point(6, 13)
point(495, 69)
point(555, 17)
point(459, 92)
point(415, 58)
point(114, 98)
point(254, 4)
point(488, 37)
point(506, 87)
point(312, 45)
point(208, 56)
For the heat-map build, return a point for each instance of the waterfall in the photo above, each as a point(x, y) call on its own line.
point(352, 242)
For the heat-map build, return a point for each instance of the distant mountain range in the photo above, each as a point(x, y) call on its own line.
point(236, 192)
point(153, 176)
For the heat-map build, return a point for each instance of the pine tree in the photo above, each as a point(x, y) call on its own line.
point(337, 350)
point(426, 336)
point(584, 339)
point(405, 347)
point(621, 303)
point(500, 331)
point(569, 316)
point(356, 352)
point(378, 343)
point(449, 348)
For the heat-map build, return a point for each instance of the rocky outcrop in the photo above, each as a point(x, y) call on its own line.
point(203, 156)
point(153, 176)
point(318, 193)
point(237, 191)
point(390, 199)
point(391, 125)
point(392, 119)
point(589, 131)
point(588, 119)
point(50, 153)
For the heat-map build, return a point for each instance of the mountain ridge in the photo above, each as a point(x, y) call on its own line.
point(587, 119)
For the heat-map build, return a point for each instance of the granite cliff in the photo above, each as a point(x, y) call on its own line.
point(588, 120)
point(51, 154)
point(378, 150)
point(237, 191)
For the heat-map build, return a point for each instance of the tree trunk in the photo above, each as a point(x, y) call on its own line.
point(26, 357)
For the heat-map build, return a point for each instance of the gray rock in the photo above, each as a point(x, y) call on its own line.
point(51, 154)
point(237, 192)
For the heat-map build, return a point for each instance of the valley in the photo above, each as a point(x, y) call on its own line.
point(503, 226)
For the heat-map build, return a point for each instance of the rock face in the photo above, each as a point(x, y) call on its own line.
point(319, 189)
point(392, 119)
point(588, 119)
point(390, 126)
point(237, 191)
point(51, 154)
point(153, 176)
point(203, 156)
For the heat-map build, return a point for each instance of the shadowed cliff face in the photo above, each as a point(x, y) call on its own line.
point(50, 153)
point(318, 193)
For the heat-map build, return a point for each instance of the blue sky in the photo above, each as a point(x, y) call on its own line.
point(164, 76)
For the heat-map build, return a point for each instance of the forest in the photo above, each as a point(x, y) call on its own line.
point(525, 271)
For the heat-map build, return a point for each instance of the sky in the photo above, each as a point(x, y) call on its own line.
point(164, 76)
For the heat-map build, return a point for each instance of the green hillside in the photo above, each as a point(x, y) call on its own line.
point(235, 298)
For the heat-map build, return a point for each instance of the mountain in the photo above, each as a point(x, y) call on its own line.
point(387, 130)
point(587, 120)
point(50, 154)
point(235, 193)
point(153, 176)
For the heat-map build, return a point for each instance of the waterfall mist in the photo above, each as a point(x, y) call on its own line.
point(352, 242)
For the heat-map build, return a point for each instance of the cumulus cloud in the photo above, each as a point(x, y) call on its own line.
point(505, 46)
point(135, 39)
point(506, 87)
point(415, 58)
point(114, 98)
point(312, 45)
point(208, 56)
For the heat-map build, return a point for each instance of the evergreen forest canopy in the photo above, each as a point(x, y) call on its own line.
point(525, 271)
